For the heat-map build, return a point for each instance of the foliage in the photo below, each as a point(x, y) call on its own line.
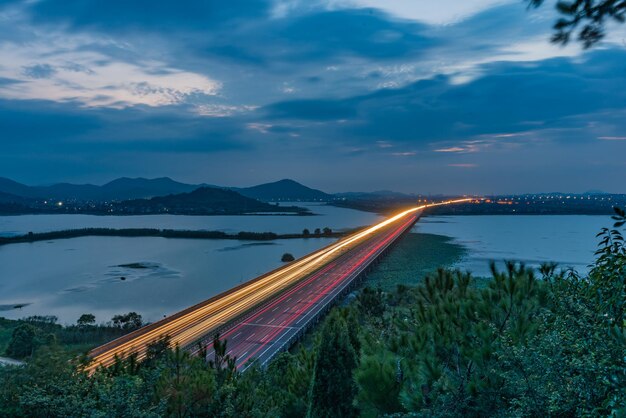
point(23, 341)
point(518, 347)
point(371, 303)
point(333, 388)
point(592, 15)
point(287, 257)
point(86, 320)
point(129, 321)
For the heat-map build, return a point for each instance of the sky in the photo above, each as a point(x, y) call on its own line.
point(452, 96)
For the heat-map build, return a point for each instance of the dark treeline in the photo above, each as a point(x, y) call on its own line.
point(33, 332)
point(164, 233)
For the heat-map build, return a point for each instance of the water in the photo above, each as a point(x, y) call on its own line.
point(328, 216)
point(568, 240)
point(69, 277)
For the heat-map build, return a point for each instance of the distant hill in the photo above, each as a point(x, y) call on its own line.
point(12, 204)
point(11, 198)
point(11, 187)
point(284, 190)
point(120, 189)
point(129, 188)
point(202, 201)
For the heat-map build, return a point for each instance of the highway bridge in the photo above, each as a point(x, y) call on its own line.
point(264, 316)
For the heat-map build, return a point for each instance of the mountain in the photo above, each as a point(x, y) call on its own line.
point(11, 187)
point(11, 198)
point(286, 190)
point(120, 189)
point(141, 188)
point(137, 188)
point(67, 191)
point(11, 204)
point(202, 201)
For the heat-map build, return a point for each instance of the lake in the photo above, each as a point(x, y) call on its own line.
point(69, 277)
point(569, 240)
point(327, 216)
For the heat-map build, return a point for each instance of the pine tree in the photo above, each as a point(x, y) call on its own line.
point(333, 388)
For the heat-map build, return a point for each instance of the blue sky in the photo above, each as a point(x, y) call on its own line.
point(417, 96)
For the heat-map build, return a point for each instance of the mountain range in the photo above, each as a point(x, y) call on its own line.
point(126, 188)
point(120, 189)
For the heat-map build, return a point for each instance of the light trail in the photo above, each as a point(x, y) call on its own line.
point(194, 323)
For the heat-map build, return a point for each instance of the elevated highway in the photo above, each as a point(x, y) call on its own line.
point(264, 316)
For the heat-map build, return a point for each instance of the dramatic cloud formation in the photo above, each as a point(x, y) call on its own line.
point(341, 94)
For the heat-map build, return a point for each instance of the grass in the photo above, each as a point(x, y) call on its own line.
point(412, 258)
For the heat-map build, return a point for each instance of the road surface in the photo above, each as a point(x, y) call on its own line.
point(272, 328)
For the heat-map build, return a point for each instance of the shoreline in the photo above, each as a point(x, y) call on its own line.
point(162, 233)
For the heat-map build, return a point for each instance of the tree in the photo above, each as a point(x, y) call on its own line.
point(379, 384)
point(86, 320)
point(328, 231)
point(287, 257)
point(607, 278)
point(306, 232)
point(334, 390)
point(23, 341)
point(317, 232)
point(452, 344)
point(289, 378)
point(131, 320)
point(592, 15)
point(371, 302)
point(186, 385)
point(222, 362)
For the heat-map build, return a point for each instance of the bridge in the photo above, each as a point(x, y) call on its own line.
point(266, 315)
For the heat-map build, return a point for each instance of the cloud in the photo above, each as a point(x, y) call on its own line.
point(443, 12)
point(612, 138)
point(359, 82)
point(222, 111)
point(463, 165)
point(451, 149)
point(311, 110)
point(493, 108)
point(38, 71)
point(148, 15)
point(8, 81)
point(93, 78)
